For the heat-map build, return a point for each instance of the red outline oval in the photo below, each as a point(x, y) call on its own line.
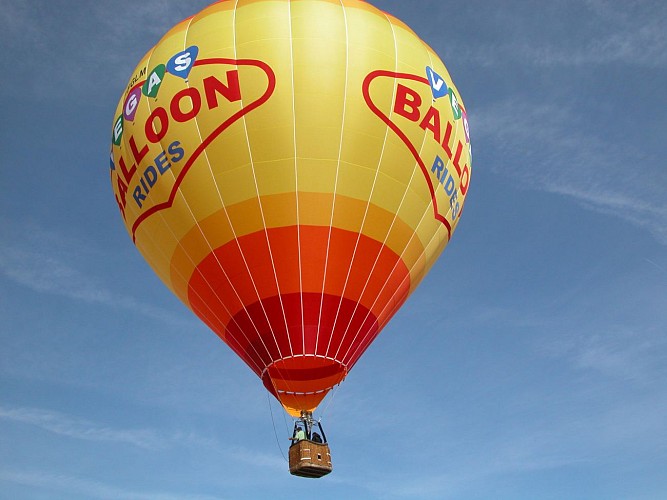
point(220, 129)
point(369, 102)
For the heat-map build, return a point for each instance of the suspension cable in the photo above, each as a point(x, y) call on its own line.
point(333, 394)
point(275, 432)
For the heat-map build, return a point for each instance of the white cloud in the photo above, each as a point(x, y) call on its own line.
point(466, 465)
point(88, 488)
point(621, 354)
point(543, 147)
point(603, 33)
point(97, 48)
point(535, 431)
point(78, 428)
point(46, 262)
point(154, 442)
point(255, 459)
point(75, 427)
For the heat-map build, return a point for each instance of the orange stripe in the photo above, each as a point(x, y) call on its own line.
point(223, 282)
point(246, 217)
point(258, 302)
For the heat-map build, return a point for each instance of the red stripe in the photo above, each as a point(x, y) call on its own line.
point(213, 135)
point(273, 316)
point(369, 102)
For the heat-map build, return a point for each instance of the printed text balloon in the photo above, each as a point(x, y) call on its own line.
point(291, 170)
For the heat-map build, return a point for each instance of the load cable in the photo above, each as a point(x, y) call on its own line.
point(275, 432)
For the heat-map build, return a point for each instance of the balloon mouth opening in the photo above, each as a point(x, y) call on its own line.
point(301, 382)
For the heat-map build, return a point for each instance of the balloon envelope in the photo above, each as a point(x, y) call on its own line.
point(291, 170)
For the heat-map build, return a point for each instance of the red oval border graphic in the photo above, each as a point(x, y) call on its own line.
point(213, 135)
point(395, 128)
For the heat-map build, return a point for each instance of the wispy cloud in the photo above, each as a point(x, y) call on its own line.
point(62, 484)
point(256, 459)
point(632, 354)
point(595, 33)
point(116, 35)
point(535, 432)
point(47, 262)
point(523, 451)
point(656, 265)
point(622, 356)
point(78, 428)
point(153, 442)
point(75, 427)
point(543, 147)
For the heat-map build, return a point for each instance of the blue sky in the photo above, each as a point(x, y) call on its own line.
point(529, 364)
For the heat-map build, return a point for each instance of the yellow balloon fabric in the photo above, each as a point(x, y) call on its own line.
point(291, 170)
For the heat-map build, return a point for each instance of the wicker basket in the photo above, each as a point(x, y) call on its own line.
point(309, 459)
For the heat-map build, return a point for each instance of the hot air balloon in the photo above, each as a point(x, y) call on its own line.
point(291, 170)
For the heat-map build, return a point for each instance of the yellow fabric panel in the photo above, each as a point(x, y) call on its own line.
point(279, 211)
point(313, 151)
point(157, 250)
point(263, 32)
point(317, 175)
point(318, 31)
point(205, 31)
point(276, 176)
point(355, 181)
point(410, 49)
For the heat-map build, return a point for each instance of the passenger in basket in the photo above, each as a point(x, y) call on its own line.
point(298, 435)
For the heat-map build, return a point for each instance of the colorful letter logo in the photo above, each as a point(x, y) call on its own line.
point(131, 104)
point(437, 83)
point(181, 64)
point(118, 130)
point(153, 82)
point(456, 109)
